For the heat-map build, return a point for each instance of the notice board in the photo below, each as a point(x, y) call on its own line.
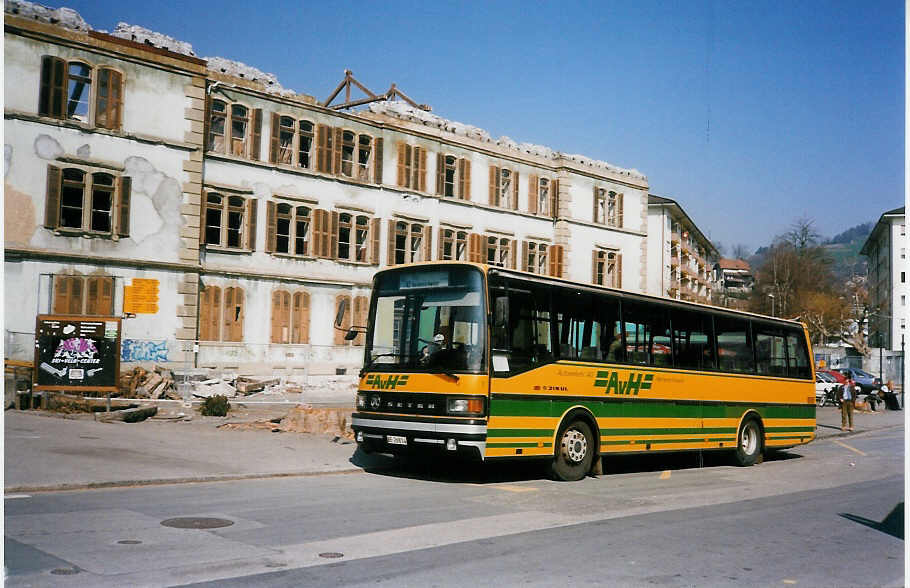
point(77, 353)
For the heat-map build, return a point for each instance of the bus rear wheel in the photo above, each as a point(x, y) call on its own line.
point(574, 452)
point(749, 443)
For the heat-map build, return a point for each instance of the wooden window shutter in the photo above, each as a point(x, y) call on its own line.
point(111, 111)
point(100, 299)
point(76, 302)
point(473, 247)
point(532, 193)
point(402, 169)
point(323, 145)
point(555, 262)
point(107, 296)
point(316, 232)
point(514, 190)
point(554, 198)
point(464, 179)
point(513, 253)
point(374, 241)
point(204, 309)
point(440, 173)
point(331, 237)
point(227, 312)
point(358, 316)
point(52, 202)
point(494, 185)
point(271, 229)
point(346, 323)
point(618, 270)
point(233, 314)
point(619, 199)
point(256, 134)
point(304, 317)
point(524, 256)
point(390, 252)
point(91, 298)
point(52, 94)
point(336, 151)
point(439, 246)
point(275, 132)
point(123, 217)
point(251, 224)
point(61, 295)
point(210, 315)
point(427, 243)
point(422, 169)
point(377, 160)
point(276, 319)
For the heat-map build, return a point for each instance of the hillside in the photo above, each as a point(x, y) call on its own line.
point(843, 249)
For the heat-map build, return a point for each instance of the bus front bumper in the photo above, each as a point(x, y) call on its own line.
point(385, 433)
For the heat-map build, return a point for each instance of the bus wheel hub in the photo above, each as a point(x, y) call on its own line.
point(574, 446)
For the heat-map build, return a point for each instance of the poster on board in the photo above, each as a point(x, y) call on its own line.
point(77, 353)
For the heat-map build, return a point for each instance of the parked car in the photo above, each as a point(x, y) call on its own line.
point(866, 381)
point(825, 389)
point(838, 377)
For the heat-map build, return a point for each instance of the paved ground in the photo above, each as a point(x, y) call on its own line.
point(49, 452)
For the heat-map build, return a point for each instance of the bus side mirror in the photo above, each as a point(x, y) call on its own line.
point(342, 308)
point(501, 312)
point(350, 335)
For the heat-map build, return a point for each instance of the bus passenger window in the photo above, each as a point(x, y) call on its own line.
point(693, 340)
point(581, 332)
point(770, 353)
point(734, 350)
point(798, 356)
point(647, 334)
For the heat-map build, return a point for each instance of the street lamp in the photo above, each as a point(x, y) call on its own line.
point(771, 296)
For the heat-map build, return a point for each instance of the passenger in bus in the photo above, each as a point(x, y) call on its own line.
point(614, 353)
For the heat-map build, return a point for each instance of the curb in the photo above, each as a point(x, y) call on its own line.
point(168, 481)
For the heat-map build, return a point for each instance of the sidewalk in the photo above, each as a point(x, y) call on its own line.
point(51, 452)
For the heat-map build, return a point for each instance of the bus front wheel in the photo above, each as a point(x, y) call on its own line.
point(574, 452)
point(749, 443)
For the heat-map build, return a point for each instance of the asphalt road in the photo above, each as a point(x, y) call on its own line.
point(826, 514)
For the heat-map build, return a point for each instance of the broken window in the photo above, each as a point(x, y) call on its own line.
point(503, 187)
point(66, 92)
point(607, 207)
point(449, 171)
point(78, 91)
point(217, 121)
point(607, 268)
point(304, 144)
point(285, 140)
point(453, 245)
point(347, 154)
point(453, 176)
point(535, 257)
point(543, 197)
point(364, 154)
point(500, 252)
point(229, 221)
point(78, 199)
point(239, 122)
point(362, 231)
point(409, 242)
point(344, 235)
point(284, 215)
point(301, 229)
point(232, 329)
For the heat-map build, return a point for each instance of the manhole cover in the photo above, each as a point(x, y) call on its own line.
point(129, 542)
point(197, 523)
point(331, 555)
point(64, 571)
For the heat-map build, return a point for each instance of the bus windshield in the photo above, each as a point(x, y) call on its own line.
point(428, 319)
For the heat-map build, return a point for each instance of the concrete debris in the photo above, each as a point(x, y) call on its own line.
point(129, 415)
point(249, 385)
point(247, 72)
point(304, 418)
point(156, 384)
point(404, 111)
point(214, 387)
point(151, 38)
point(63, 17)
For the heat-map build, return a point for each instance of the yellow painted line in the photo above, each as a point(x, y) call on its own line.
point(511, 488)
point(665, 475)
point(848, 447)
point(789, 581)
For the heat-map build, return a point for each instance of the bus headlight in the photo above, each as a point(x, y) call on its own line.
point(361, 401)
point(465, 406)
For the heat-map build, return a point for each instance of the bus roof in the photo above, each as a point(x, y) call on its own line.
point(518, 274)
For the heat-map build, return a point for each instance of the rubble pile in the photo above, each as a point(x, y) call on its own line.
point(156, 384)
point(303, 418)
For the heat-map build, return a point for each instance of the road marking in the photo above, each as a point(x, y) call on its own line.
point(789, 581)
point(842, 444)
point(665, 475)
point(510, 488)
point(12, 496)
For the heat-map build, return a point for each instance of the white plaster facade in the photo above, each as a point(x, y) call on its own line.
point(680, 256)
point(161, 147)
point(886, 248)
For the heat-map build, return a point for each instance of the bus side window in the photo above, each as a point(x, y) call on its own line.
point(798, 355)
point(734, 349)
point(693, 339)
point(770, 351)
point(647, 334)
point(580, 331)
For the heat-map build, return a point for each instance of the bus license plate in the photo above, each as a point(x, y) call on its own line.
point(396, 440)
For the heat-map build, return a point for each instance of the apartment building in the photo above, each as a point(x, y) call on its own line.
point(256, 210)
point(680, 256)
point(886, 248)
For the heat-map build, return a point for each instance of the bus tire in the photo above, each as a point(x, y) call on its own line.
point(749, 444)
point(574, 452)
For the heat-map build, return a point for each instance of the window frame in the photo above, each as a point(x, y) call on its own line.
point(228, 206)
point(54, 92)
point(415, 240)
point(91, 187)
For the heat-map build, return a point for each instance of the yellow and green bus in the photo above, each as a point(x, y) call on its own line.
point(479, 361)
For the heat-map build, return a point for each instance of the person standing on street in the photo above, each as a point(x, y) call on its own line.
point(847, 397)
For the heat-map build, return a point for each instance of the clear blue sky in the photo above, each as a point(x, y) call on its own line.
point(749, 114)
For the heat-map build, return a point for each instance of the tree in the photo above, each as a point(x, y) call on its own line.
point(802, 234)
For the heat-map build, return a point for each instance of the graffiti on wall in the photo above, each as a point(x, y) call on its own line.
point(141, 350)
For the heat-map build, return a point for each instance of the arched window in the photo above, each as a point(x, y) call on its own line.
point(233, 314)
point(364, 157)
point(347, 153)
point(229, 221)
point(102, 202)
point(72, 198)
point(305, 144)
point(239, 121)
point(217, 124)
